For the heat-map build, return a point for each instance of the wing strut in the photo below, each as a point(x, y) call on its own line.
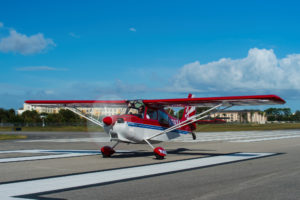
point(186, 122)
point(78, 112)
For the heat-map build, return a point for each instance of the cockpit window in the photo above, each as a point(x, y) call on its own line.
point(136, 108)
point(163, 117)
point(152, 114)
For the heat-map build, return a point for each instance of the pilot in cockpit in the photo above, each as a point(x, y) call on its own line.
point(141, 111)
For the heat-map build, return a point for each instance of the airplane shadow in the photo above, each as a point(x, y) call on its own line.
point(179, 151)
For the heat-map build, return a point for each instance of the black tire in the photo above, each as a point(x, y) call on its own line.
point(158, 157)
point(105, 156)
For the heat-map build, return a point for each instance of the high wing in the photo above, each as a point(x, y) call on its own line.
point(181, 102)
point(213, 101)
point(78, 103)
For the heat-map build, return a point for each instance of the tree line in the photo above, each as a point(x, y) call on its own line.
point(29, 118)
point(282, 114)
point(273, 114)
point(64, 117)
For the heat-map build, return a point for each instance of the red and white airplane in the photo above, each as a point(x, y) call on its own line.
point(146, 121)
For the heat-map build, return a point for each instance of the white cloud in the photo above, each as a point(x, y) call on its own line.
point(1, 25)
point(132, 29)
point(261, 70)
point(74, 35)
point(49, 92)
point(23, 44)
point(40, 68)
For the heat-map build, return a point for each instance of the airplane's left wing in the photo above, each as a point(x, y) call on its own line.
point(213, 101)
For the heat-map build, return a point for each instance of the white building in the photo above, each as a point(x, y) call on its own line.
point(96, 112)
point(242, 116)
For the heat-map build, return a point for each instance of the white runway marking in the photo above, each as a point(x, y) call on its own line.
point(270, 138)
point(30, 158)
point(12, 190)
point(239, 136)
point(96, 139)
point(57, 154)
point(235, 136)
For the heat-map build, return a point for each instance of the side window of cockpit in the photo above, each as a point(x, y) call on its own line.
point(163, 117)
point(152, 114)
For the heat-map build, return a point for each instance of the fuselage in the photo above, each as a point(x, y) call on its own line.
point(135, 128)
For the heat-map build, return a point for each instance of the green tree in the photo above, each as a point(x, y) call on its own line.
point(53, 118)
point(279, 114)
point(31, 117)
point(3, 116)
point(70, 117)
point(9, 116)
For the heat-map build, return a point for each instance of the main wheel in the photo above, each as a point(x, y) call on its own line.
point(160, 153)
point(107, 151)
point(158, 157)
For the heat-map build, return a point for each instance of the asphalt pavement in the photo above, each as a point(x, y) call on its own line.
point(229, 165)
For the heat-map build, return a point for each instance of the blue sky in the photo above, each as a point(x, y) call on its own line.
point(148, 49)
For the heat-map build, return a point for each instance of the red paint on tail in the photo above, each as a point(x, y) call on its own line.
point(188, 112)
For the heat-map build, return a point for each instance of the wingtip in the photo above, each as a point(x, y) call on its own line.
point(278, 99)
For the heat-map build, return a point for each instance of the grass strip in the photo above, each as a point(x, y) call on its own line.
point(56, 129)
point(12, 137)
point(246, 127)
point(200, 128)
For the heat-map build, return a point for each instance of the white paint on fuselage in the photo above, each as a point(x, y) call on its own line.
point(133, 134)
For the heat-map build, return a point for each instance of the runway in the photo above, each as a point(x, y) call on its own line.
point(229, 165)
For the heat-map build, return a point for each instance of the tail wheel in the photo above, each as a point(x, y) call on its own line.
point(107, 151)
point(160, 153)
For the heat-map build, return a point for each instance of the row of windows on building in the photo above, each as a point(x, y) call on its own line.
point(97, 112)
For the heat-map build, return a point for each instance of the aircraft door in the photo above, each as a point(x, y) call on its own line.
point(163, 117)
point(151, 114)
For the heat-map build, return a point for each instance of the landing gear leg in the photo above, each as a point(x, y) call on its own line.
point(159, 152)
point(108, 151)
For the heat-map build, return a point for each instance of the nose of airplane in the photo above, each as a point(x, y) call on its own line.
point(107, 121)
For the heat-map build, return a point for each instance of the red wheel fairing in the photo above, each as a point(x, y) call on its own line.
point(107, 151)
point(160, 152)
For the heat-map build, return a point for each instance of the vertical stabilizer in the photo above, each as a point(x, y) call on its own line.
point(188, 112)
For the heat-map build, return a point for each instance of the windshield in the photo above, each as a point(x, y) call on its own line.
point(135, 107)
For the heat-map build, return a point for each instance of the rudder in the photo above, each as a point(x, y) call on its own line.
point(188, 112)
